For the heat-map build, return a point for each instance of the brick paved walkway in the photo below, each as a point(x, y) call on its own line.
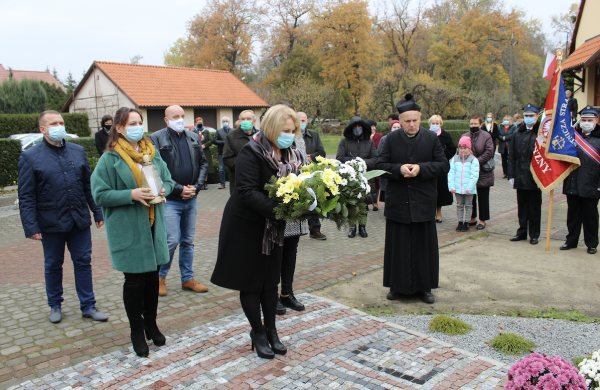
point(30, 346)
point(330, 346)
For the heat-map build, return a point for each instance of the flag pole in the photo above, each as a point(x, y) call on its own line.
point(559, 58)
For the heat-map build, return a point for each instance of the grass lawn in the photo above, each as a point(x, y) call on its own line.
point(331, 142)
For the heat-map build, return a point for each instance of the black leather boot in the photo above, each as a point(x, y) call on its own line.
point(150, 308)
point(362, 231)
point(276, 345)
point(261, 343)
point(133, 298)
point(459, 228)
point(352, 232)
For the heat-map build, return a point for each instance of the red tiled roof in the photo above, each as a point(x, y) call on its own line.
point(584, 55)
point(30, 74)
point(161, 86)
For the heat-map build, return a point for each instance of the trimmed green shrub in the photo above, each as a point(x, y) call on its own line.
point(448, 325)
point(55, 96)
point(89, 145)
point(10, 149)
point(26, 96)
point(512, 344)
point(28, 123)
point(456, 134)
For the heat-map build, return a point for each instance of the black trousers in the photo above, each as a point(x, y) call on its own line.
point(314, 225)
point(288, 264)
point(530, 212)
point(483, 200)
point(140, 296)
point(505, 160)
point(582, 211)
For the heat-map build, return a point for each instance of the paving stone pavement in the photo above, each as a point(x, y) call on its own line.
point(30, 346)
point(330, 346)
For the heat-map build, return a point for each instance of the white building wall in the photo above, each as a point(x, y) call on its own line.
point(97, 97)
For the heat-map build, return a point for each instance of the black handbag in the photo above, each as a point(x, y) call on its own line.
point(487, 166)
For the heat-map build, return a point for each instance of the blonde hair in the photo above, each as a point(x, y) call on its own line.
point(274, 120)
point(510, 118)
point(436, 118)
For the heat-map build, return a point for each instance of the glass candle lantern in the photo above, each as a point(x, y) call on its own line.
point(151, 179)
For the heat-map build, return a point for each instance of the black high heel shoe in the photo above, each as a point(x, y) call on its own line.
point(153, 333)
point(276, 345)
point(262, 345)
point(140, 346)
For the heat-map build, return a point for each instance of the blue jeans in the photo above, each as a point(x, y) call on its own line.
point(221, 169)
point(79, 243)
point(180, 218)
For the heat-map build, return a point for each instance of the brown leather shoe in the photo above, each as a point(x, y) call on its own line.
point(162, 286)
point(194, 286)
point(222, 187)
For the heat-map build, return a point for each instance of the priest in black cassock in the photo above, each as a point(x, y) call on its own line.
point(414, 158)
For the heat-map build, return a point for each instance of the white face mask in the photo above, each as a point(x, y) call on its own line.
point(178, 125)
point(587, 127)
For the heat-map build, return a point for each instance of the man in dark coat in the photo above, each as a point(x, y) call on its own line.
point(573, 106)
point(219, 139)
point(582, 188)
point(101, 136)
point(414, 158)
point(182, 152)
point(55, 199)
point(314, 149)
point(529, 195)
point(357, 142)
point(235, 141)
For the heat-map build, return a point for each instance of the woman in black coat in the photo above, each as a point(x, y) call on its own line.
point(250, 240)
point(444, 197)
point(357, 142)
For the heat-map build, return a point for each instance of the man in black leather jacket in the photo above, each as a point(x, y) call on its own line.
point(182, 152)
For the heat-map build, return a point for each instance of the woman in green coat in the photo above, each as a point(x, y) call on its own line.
point(135, 229)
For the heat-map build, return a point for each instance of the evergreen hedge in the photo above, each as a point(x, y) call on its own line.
point(28, 123)
point(26, 96)
point(10, 149)
point(89, 145)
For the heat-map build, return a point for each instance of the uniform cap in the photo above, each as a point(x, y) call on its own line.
point(531, 108)
point(589, 112)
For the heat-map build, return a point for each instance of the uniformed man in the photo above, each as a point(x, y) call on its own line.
point(582, 187)
point(529, 195)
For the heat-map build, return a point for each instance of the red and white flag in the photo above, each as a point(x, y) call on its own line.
point(550, 66)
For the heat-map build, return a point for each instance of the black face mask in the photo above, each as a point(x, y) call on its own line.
point(107, 127)
point(474, 129)
point(199, 125)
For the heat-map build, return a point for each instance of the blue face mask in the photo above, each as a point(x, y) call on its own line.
point(529, 120)
point(285, 140)
point(434, 127)
point(134, 133)
point(489, 120)
point(303, 126)
point(506, 123)
point(57, 133)
point(225, 124)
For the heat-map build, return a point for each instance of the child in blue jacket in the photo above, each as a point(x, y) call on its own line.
point(462, 181)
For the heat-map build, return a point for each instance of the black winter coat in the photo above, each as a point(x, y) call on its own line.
point(445, 197)
point(519, 157)
point(220, 137)
point(314, 145)
point(54, 189)
point(494, 133)
point(162, 143)
point(585, 180)
point(412, 199)
point(351, 147)
point(101, 138)
point(235, 141)
point(240, 262)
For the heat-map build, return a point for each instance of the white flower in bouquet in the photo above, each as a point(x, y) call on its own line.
point(590, 369)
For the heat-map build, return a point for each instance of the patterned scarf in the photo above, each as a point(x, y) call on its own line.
point(290, 162)
point(132, 157)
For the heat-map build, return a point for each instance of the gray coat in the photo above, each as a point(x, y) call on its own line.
point(219, 138)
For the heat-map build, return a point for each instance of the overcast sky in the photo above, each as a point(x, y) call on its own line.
point(70, 34)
